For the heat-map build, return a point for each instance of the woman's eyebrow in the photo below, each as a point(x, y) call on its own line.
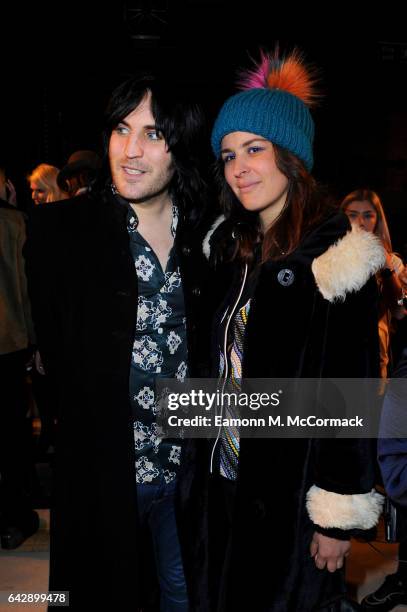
point(245, 144)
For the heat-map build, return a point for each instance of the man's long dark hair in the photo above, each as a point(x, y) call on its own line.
point(182, 124)
point(306, 205)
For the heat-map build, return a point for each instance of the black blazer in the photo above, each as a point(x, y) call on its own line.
point(83, 289)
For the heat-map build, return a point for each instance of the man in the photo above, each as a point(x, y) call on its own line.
point(79, 172)
point(117, 285)
point(17, 518)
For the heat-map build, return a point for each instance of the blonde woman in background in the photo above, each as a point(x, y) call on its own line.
point(364, 208)
point(43, 184)
point(44, 189)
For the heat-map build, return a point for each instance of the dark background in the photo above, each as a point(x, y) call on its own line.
point(61, 62)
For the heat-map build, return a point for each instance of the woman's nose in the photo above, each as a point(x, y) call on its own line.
point(240, 168)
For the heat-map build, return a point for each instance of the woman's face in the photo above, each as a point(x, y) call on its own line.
point(252, 174)
point(38, 194)
point(363, 214)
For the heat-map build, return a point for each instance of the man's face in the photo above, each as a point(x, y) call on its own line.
point(140, 163)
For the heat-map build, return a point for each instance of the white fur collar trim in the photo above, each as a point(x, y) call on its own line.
point(348, 264)
point(333, 510)
point(206, 247)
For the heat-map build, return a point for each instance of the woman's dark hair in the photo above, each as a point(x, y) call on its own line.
point(182, 124)
point(306, 204)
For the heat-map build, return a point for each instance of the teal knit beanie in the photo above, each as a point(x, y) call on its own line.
point(273, 112)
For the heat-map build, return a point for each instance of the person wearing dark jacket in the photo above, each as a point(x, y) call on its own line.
point(18, 520)
point(392, 455)
point(303, 304)
point(392, 444)
point(118, 280)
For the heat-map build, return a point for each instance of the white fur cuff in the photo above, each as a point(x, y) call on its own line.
point(348, 264)
point(206, 247)
point(333, 510)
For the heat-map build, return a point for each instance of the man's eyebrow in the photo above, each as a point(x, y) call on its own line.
point(246, 143)
point(145, 127)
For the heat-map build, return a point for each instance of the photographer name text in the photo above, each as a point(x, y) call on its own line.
point(271, 421)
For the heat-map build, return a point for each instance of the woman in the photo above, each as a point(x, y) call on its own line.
point(302, 305)
point(364, 209)
point(44, 189)
point(43, 184)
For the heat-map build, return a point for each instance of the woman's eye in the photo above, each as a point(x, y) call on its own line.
point(255, 149)
point(228, 157)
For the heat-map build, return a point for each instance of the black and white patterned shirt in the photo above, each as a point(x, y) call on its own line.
point(159, 351)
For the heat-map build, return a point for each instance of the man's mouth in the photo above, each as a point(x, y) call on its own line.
point(133, 171)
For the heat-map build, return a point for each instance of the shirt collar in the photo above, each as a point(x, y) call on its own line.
point(132, 219)
point(174, 222)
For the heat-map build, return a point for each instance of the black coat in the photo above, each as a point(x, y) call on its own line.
point(84, 294)
point(323, 324)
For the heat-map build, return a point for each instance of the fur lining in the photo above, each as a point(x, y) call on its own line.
point(348, 264)
point(333, 510)
point(206, 246)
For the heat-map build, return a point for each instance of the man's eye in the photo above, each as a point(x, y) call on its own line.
point(154, 135)
point(121, 129)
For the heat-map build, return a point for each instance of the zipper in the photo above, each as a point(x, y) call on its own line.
point(226, 360)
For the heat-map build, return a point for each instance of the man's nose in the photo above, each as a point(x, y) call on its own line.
point(133, 147)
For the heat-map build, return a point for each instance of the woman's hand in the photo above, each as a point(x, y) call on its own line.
point(403, 277)
point(393, 288)
point(328, 552)
point(389, 261)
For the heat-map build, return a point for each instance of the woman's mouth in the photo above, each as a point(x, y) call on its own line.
point(243, 188)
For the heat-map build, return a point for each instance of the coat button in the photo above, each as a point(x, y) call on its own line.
point(121, 293)
point(196, 291)
point(186, 250)
point(285, 277)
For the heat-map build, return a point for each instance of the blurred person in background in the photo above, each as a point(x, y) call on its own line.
point(44, 186)
point(44, 189)
point(80, 173)
point(17, 518)
point(364, 209)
